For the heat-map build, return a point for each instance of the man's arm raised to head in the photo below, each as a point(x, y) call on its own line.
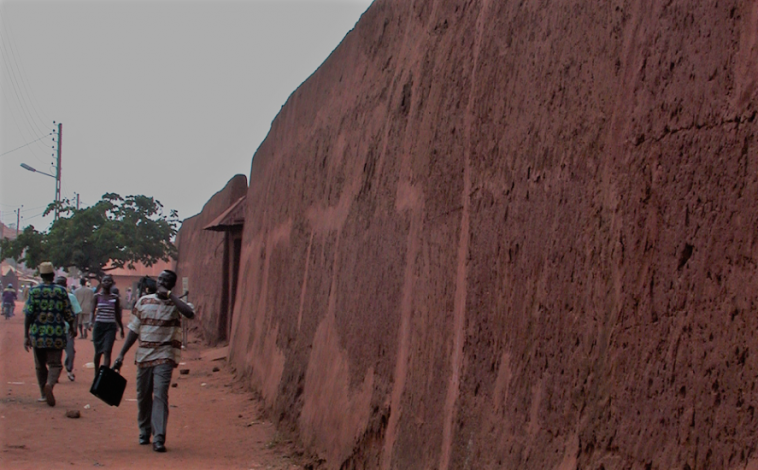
point(183, 308)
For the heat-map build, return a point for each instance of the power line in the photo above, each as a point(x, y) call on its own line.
point(25, 217)
point(28, 143)
point(34, 216)
point(10, 102)
point(21, 82)
point(36, 107)
point(14, 206)
point(19, 100)
point(24, 98)
point(21, 131)
point(10, 219)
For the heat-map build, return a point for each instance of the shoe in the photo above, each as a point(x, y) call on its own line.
point(159, 447)
point(49, 397)
point(41, 399)
point(144, 440)
point(71, 376)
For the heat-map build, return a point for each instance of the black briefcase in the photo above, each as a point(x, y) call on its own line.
point(108, 386)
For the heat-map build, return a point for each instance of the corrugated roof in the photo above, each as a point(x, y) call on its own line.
point(234, 216)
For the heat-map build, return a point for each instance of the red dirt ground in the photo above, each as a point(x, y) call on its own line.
point(213, 422)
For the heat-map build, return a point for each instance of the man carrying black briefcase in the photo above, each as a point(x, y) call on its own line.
point(157, 323)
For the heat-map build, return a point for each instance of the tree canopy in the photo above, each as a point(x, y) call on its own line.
point(115, 232)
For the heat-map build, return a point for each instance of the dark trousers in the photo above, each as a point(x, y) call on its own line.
point(152, 400)
point(44, 359)
point(70, 353)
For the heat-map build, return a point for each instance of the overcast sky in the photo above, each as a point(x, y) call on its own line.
point(168, 99)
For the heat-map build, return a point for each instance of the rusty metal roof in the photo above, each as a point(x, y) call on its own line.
point(232, 217)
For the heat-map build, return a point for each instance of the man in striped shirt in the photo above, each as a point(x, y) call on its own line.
point(157, 323)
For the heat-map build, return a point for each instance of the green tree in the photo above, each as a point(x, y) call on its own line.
point(30, 247)
point(113, 233)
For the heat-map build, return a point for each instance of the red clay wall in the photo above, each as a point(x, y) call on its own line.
point(513, 235)
point(201, 259)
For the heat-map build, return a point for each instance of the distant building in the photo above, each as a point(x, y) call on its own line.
point(10, 271)
point(125, 278)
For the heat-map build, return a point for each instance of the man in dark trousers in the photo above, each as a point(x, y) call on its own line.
point(9, 301)
point(46, 313)
point(157, 323)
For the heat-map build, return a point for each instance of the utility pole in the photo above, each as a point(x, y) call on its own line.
point(18, 218)
point(57, 175)
point(18, 223)
point(77, 201)
point(58, 171)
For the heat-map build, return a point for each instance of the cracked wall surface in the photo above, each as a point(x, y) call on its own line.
point(513, 235)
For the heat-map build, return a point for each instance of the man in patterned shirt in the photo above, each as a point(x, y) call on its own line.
point(46, 313)
point(157, 323)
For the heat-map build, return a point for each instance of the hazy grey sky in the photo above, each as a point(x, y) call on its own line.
point(169, 99)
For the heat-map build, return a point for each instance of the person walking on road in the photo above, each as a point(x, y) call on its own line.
point(46, 313)
point(76, 309)
point(86, 299)
point(106, 319)
point(130, 300)
point(9, 301)
point(156, 321)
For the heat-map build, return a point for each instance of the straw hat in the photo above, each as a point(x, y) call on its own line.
point(46, 268)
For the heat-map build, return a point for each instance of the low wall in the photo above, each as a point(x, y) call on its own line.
point(201, 260)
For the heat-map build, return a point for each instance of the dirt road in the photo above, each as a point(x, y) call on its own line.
point(213, 422)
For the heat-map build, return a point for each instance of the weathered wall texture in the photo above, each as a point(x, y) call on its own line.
point(201, 259)
point(500, 234)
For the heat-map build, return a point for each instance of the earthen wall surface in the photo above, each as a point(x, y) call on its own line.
point(201, 260)
point(513, 235)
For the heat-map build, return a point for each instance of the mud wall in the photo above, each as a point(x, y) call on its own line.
point(513, 235)
point(201, 259)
